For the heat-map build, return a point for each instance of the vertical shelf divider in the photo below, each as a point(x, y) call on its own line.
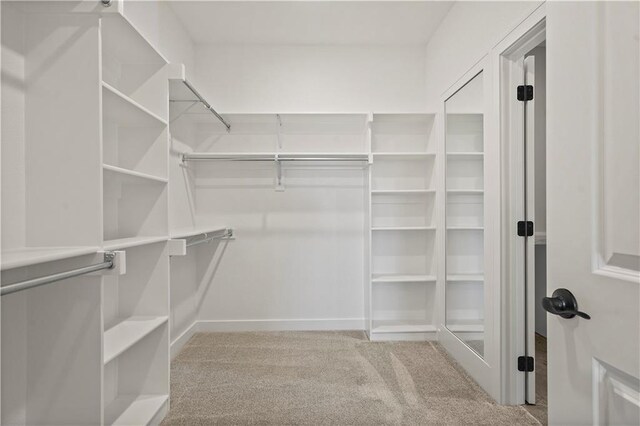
point(135, 173)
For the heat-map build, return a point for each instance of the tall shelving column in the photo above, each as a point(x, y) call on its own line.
point(402, 227)
point(51, 334)
point(135, 150)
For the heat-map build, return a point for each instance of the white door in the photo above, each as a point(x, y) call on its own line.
point(470, 317)
point(593, 210)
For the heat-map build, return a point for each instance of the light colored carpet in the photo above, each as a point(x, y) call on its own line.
point(341, 378)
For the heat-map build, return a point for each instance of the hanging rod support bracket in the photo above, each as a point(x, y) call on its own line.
point(110, 257)
point(207, 237)
point(279, 185)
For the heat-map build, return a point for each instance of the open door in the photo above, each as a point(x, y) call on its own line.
point(469, 328)
point(593, 212)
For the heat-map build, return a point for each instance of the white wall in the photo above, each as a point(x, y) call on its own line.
point(162, 28)
point(297, 260)
point(466, 34)
point(270, 78)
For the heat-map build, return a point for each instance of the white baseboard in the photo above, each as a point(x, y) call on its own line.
point(282, 324)
point(178, 343)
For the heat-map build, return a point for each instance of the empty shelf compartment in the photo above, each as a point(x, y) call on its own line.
point(127, 333)
point(397, 278)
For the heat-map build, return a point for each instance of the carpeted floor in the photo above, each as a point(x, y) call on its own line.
point(336, 377)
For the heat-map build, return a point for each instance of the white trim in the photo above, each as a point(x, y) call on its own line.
point(617, 273)
point(281, 324)
point(473, 363)
point(403, 337)
point(512, 312)
point(178, 343)
point(533, 14)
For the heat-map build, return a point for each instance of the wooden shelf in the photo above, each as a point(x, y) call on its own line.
point(410, 156)
point(134, 409)
point(123, 109)
point(16, 258)
point(399, 326)
point(465, 228)
point(127, 333)
point(403, 191)
point(404, 228)
point(121, 243)
point(190, 232)
point(380, 278)
point(132, 176)
point(465, 278)
point(465, 156)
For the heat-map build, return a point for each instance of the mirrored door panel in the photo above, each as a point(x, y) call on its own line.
point(464, 142)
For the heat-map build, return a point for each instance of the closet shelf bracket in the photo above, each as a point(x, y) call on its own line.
point(207, 237)
point(177, 93)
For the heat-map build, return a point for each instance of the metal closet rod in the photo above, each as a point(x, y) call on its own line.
point(275, 157)
point(36, 282)
point(208, 237)
point(206, 104)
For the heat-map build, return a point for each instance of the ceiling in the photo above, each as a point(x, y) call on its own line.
point(311, 22)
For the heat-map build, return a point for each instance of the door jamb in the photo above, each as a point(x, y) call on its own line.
point(525, 37)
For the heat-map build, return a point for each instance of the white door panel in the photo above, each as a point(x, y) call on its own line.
point(470, 318)
point(593, 210)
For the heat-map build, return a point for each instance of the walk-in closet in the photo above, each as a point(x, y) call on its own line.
point(308, 212)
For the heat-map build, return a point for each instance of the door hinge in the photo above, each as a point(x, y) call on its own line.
point(525, 228)
point(525, 363)
point(525, 93)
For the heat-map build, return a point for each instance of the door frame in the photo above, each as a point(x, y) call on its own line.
point(506, 57)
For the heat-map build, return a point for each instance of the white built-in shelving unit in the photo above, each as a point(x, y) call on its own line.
point(403, 227)
point(135, 151)
point(84, 170)
point(136, 335)
point(134, 135)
